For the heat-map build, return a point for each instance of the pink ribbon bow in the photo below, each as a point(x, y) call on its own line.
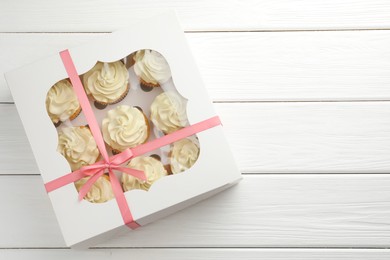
point(96, 170)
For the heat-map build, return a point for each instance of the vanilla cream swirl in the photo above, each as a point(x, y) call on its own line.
point(125, 127)
point(168, 112)
point(183, 155)
point(101, 191)
point(61, 101)
point(151, 66)
point(107, 82)
point(78, 146)
point(152, 168)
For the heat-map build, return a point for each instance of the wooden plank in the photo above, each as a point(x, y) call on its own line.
point(108, 15)
point(15, 152)
point(192, 254)
point(261, 211)
point(318, 137)
point(269, 66)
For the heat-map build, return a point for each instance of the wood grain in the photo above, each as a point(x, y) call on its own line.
point(261, 211)
point(267, 66)
point(247, 51)
point(325, 137)
point(192, 254)
point(108, 15)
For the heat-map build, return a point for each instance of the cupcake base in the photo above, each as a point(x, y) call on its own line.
point(99, 105)
point(57, 124)
point(102, 103)
point(168, 169)
point(130, 60)
point(146, 88)
point(148, 85)
point(75, 114)
point(114, 151)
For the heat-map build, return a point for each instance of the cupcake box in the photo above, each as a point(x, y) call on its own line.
point(122, 130)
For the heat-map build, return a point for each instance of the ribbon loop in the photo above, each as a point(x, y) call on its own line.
point(133, 172)
point(122, 157)
point(88, 185)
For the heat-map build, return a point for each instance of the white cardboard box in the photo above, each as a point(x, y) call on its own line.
point(83, 223)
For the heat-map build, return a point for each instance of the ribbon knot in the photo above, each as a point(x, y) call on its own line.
point(97, 170)
point(108, 165)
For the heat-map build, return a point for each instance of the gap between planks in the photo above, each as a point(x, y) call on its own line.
point(218, 253)
point(232, 31)
point(208, 248)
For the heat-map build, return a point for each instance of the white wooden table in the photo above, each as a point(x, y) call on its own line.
point(303, 89)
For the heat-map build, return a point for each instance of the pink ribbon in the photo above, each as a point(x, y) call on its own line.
point(96, 170)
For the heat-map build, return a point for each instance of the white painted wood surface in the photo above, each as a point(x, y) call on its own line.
point(261, 211)
point(195, 254)
point(292, 137)
point(203, 15)
point(296, 54)
point(267, 66)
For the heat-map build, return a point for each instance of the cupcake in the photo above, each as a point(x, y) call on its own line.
point(101, 191)
point(107, 83)
point(151, 68)
point(168, 112)
point(152, 168)
point(125, 127)
point(78, 146)
point(62, 103)
point(183, 155)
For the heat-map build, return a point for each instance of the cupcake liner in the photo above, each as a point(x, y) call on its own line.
point(57, 124)
point(130, 60)
point(148, 126)
point(99, 106)
point(115, 101)
point(146, 85)
point(75, 114)
point(168, 169)
point(115, 151)
point(146, 88)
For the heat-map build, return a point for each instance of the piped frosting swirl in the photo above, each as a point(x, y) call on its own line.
point(125, 127)
point(168, 112)
point(107, 82)
point(152, 168)
point(78, 146)
point(151, 67)
point(183, 155)
point(61, 101)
